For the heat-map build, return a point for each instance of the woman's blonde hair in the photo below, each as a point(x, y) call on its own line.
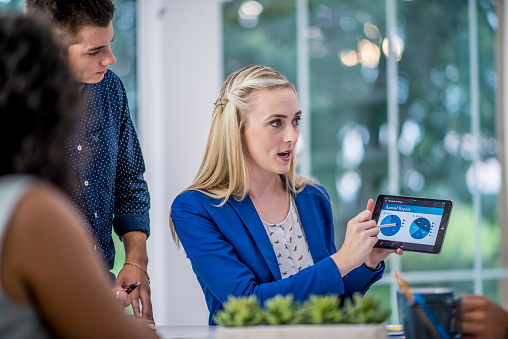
point(223, 173)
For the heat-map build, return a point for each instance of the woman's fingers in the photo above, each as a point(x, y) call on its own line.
point(363, 216)
point(370, 206)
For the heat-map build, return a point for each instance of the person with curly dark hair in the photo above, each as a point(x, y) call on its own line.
point(37, 110)
point(51, 284)
point(112, 192)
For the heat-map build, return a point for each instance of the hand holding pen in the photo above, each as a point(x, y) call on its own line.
point(123, 295)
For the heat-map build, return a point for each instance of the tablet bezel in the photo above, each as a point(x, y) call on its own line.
point(408, 246)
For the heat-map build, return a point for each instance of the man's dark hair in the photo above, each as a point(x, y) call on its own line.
point(68, 17)
point(38, 101)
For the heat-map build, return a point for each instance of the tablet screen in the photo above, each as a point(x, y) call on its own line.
point(413, 224)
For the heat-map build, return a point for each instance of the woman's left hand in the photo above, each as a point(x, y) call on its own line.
point(379, 254)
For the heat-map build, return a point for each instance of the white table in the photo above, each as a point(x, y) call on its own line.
point(208, 332)
point(186, 332)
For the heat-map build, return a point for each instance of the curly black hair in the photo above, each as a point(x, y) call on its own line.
point(38, 101)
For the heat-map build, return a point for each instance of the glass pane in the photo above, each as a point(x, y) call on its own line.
point(348, 101)
point(491, 288)
point(11, 5)
point(124, 47)
point(381, 292)
point(490, 168)
point(436, 144)
point(348, 49)
point(260, 32)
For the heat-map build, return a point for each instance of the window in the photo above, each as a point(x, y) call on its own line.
point(438, 94)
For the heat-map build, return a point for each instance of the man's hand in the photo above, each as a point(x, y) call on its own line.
point(121, 296)
point(483, 318)
point(128, 275)
point(135, 269)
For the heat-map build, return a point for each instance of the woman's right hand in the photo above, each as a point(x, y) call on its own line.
point(361, 236)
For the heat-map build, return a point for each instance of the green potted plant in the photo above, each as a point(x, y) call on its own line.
point(318, 317)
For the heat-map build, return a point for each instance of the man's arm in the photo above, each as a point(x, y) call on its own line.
point(132, 202)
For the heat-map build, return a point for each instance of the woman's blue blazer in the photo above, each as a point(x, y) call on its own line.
point(231, 253)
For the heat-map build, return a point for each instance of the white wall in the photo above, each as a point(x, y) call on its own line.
point(180, 72)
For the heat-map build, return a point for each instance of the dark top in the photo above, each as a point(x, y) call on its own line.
point(106, 156)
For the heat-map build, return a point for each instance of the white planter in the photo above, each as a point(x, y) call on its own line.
point(335, 331)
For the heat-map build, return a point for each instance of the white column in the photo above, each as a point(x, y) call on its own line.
point(180, 72)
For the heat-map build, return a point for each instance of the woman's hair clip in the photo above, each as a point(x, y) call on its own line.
point(221, 102)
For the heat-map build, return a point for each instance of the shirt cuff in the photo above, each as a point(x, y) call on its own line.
point(131, 223)
point(375, 269)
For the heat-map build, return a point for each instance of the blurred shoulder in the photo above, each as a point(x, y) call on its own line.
point(45, 209)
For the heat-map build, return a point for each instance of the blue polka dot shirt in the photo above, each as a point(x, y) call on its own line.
point(107, 159)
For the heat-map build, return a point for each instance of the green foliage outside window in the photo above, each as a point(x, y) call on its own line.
point(348, 102)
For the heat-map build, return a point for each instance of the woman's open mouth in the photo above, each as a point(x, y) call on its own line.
point(285, 155)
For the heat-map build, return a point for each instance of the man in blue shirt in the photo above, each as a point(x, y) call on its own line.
point(105, 150)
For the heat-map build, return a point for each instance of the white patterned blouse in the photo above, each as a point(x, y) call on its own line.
point(289, 243)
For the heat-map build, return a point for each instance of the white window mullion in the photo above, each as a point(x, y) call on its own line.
point(475, 130)
point(393, 131)
point(303, 84)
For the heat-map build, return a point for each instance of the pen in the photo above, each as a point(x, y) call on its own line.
point(387, 225)
point(131, 287)
point(417, 302)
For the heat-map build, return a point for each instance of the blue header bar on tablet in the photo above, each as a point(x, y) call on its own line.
point(413, 209)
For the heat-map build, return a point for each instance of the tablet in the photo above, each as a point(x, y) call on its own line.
point(412, 224)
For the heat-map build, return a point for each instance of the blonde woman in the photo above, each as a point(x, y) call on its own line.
point(249, 224)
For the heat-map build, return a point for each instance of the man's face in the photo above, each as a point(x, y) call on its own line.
point(91, 55)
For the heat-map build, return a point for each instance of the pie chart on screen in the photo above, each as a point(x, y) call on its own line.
point(392, 230)
point(419, 228)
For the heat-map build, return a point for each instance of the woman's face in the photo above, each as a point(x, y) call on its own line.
point(271, 131)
